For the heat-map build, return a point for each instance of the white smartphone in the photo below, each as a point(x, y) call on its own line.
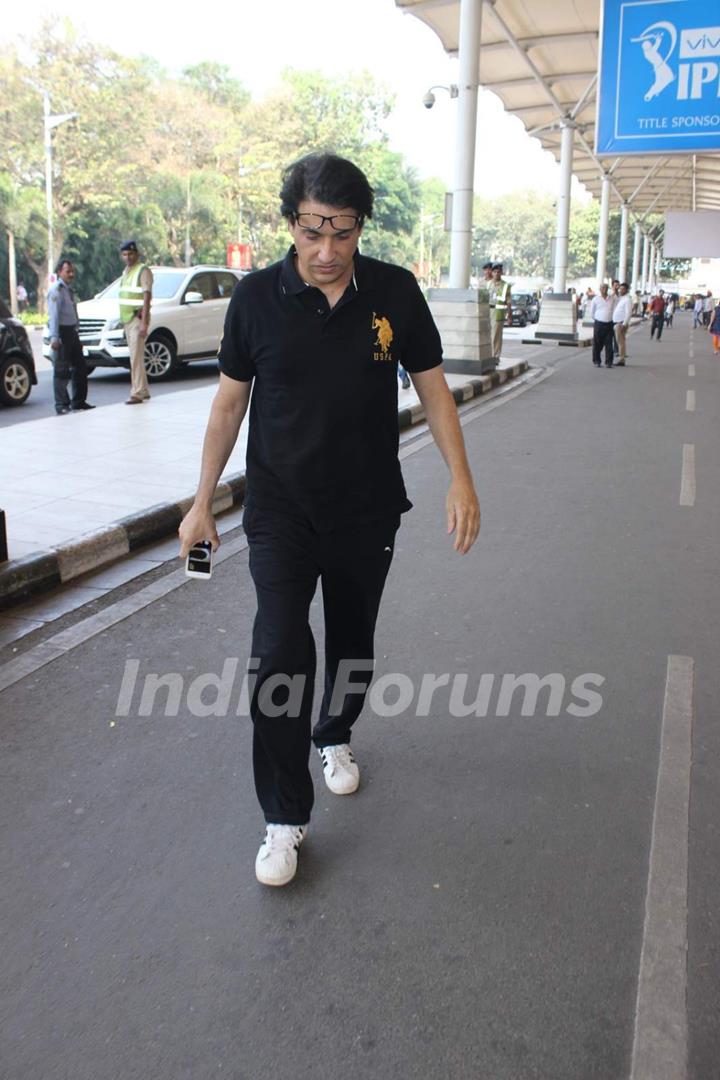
point(199, 560)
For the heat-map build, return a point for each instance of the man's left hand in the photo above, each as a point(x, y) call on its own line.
point(463, 514)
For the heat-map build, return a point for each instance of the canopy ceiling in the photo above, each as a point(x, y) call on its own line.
point(540, 57)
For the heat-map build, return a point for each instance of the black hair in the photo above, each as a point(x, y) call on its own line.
point(63, 262)
point(328, 179)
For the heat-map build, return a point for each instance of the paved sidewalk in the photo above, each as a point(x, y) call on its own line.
point(91, 487)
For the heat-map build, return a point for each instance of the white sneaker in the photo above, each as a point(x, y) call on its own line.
point(341, 773)
point(276, 861)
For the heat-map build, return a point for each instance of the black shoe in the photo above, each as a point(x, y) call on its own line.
point(82, 407)
point(596, 363)
point(62, 409)
point(609, 365)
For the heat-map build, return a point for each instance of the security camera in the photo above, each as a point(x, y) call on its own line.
point(429, 100)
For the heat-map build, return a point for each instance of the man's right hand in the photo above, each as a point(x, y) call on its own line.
point(198, 524)
point(55, 344)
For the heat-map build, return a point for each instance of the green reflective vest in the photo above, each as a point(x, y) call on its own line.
point(499, 298)
point(131, 294)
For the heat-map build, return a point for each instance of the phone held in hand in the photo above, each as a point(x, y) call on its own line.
point(199, 560)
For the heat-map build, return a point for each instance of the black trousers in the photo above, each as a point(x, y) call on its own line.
point(287, 557)
point(603, 338)
point(658, 321)
point(69, 365)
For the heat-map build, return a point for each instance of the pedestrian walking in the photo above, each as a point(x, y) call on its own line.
point(66, 351)
point(657, 313)
point(135, 297)
point(708, 306)
point(601, 313)
point(317, 336)
point(621, 321)
point(499, 293)
point(714, 329)
point(670, 310)
point(22, 297)
point(698, 308)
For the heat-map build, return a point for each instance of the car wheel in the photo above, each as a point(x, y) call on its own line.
point(160, 357)
point(15, 381)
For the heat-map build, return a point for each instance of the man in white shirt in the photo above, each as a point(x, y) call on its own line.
point(601, 312)
point(621, 320)
point(708, 305)
point(697, 311)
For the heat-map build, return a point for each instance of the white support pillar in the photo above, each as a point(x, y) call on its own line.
point(622, 260)
point(658, 261)
point(601, 267)
point(635, 285)
point(469, 56)
point(562, 231)
point(651, 268)
point(645, 257)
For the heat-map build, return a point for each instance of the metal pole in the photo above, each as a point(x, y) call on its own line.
point(12, 273)
point(624, 223)
point(636, 259)
point(562, 232)
point(645, 256)
point(48, 182)
point(469, 54)
point(188, 210)
point(601, 266)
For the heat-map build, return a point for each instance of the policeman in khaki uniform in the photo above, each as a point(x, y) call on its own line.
point(135, 296)
point(499, 292)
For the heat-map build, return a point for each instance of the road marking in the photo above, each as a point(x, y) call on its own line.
point(687, 485)
point(691, 370)
point(660, 1038)
point(66, 640)
point(690, 401)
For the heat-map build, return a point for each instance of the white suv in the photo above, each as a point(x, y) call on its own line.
point(186, 320)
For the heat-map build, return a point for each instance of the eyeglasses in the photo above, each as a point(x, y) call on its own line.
point(338, 222)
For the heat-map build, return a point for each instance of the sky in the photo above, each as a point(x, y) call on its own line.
point(258, 38)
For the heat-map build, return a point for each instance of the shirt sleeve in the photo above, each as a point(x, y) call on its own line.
point(234, 358)
point(423, 350)
point(53, 314)
point(146, 280)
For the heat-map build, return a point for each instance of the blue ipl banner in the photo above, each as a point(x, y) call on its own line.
point(659, 77)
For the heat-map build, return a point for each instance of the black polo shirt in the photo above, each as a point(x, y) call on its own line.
point(323, 437)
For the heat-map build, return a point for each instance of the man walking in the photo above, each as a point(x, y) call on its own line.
point(621, 320)
point(657, 311)
point(499, 292)
point(317, 337)
point(135, 297)
point(66, 349)
point(601, 313)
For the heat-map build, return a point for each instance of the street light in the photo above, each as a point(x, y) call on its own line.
point(51, 122)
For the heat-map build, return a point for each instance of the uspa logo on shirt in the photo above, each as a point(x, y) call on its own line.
point(660, 77)
point(384, 337)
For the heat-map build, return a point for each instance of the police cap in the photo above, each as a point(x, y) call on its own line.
point(497, 266)
point(129, 245)
point(487, 266)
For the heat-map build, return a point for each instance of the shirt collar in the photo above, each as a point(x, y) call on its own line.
point(292, 283)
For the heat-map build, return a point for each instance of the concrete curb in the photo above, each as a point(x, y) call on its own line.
point(43, 570)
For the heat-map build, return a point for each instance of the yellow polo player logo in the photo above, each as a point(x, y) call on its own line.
point(384, 332)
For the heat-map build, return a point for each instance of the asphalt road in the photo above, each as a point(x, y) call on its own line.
point(480, 910)
point(106, 386)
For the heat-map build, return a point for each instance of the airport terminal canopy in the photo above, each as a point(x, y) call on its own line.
point(541, 58)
